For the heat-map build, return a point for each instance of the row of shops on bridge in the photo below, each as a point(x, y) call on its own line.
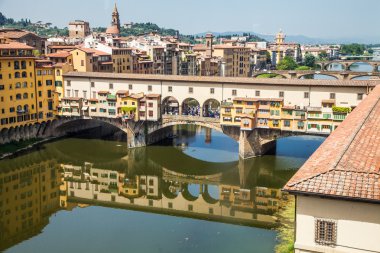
point(250, 113)
point(124, 105)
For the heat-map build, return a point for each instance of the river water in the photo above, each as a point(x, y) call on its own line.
point(187, 194)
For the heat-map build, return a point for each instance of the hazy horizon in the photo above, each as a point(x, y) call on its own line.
point(324, 19)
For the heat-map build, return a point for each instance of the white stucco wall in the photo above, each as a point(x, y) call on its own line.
point(358, 225)
point(293, 95)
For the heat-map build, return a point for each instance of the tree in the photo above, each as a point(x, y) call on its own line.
point(309, 60)
point(288, 63)
point(322, 55)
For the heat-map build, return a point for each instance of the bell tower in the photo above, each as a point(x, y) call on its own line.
point(115, 17)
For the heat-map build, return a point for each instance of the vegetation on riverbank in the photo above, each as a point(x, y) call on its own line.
point(285, 235)
point(15, 146)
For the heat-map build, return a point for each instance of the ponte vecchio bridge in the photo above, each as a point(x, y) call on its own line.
point(304, 95)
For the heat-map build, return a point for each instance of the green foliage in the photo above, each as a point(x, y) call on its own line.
point(303, 68)
point(353, 49)
point(286, 230)
point(288, 63)
point(269, 75)
point(127, 109)
point(341, 109)
point(309, 60)
point(322, 55)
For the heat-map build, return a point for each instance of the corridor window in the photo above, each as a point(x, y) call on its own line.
point(191, 90)
point(360, 96)
point(130, 86)
point(332, 95)
point(234, 92)
point(149, 87)
point(306, 95)
point(325, 232)
point(281, 94)
point(111, 86)
point(212, 90)
point(257, 93)
point(170, 89)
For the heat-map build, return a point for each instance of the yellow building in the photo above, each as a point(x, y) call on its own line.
point(236, 60)
point(59, 70)
point(17, 85)
point(46, 98)
point(130, 106)
point(82, 60)
point(233, 112)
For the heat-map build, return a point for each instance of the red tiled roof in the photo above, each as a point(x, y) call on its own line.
point(229, 80)
point(347, 164)
point(59, 54)
point(153, 95)
point(15, 45)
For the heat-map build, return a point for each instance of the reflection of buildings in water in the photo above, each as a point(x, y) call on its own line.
point(171, 196)
point(28, 195)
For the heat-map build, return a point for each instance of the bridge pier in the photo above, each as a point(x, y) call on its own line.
point(252, 145)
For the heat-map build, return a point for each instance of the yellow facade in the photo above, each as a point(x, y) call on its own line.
point(17, 85)
point(45, 90)
point(82, 60)
point(236, 59)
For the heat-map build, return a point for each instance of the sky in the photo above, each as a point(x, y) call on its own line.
point(313, 18)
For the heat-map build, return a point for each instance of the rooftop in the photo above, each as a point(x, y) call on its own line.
point(347, 164)
point(225, 80)
point(15, 45)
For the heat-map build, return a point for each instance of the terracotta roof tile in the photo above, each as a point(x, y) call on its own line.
point(233, 80)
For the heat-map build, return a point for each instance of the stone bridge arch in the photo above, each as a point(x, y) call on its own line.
point(325, 73)
point(372, 65)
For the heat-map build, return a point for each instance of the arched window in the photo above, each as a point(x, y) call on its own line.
point(18, 85)
point(26, 108)
point(23, 64)
point(18, 96)
point(16, 65)
point(58, 72)
point(24, 84)
point(17, 74)
point(24, 74)
point(19, 108)
point(25, 96)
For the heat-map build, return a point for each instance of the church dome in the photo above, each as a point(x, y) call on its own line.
point(112, 30)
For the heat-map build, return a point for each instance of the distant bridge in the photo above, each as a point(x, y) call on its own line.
point(298, 74)
point(346, 64)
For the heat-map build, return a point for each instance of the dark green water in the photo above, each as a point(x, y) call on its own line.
point(189, 194)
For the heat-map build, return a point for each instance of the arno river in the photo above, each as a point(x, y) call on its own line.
point(189, 194)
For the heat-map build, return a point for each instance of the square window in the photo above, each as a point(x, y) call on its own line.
point(325, 232)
